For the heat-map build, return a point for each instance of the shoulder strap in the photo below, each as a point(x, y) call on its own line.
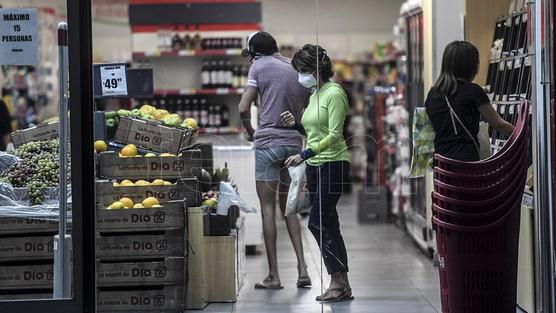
point(453, 115)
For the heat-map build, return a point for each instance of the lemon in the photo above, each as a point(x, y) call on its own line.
point(167, 155)
point(142, 183)
point(127, 183)
point(129, 150)
point(100, 146)
point(150, 155)
point(167, 183)
point(150, 202)
point(128, 203)
point(157, 182)
point(115, 184)
point(117, 205)
point(157, 206)
point(147, 109)
point(138, 206)
point(191, 123)
point(160, 114)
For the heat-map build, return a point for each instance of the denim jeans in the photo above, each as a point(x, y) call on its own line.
point(325, 189)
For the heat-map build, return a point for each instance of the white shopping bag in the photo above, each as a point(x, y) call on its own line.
point(299, 200)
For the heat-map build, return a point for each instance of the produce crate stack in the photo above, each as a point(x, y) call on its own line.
point(26, 257)
point(142, 233)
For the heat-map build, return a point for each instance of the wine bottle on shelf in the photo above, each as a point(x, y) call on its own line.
point(177, 42)
point(187, 41)
point(204, 118)
point(236, 80)
point(229, 74)
point(205, 74)
point(196, 40)
point(214, 79)
point(171, 104)
point(218, 115)
point(244, 74)
point(222, 74)
point(211, 117)
point(180, 108)
point(188, 112)
point(225, 112)
point(196, 112)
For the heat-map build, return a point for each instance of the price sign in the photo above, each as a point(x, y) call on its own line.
point(18, 37)
point(113, 80)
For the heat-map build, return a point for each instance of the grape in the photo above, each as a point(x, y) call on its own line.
point(38, 169)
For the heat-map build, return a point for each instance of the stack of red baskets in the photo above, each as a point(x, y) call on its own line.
point(476, 215)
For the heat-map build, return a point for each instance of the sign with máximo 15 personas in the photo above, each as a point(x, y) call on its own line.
point(18, 37)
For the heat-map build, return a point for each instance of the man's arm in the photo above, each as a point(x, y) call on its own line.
point(247, 99)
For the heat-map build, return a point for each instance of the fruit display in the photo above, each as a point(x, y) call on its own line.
point(142, 183)
point(38, 169)
point(127, 203)
point(149, 112)
point(210, 199)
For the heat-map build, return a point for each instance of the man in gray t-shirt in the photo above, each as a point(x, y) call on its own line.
point(273, 78)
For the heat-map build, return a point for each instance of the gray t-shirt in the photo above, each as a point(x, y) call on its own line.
point(276, 82)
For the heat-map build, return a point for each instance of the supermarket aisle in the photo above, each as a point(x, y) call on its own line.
point(388, 274)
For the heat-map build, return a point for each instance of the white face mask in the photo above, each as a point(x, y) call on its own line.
point(307, 80)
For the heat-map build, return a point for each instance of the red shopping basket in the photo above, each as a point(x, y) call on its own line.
point(478, 265)
point(449, 212)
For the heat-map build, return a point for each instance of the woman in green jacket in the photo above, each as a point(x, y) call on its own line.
point(327, 161)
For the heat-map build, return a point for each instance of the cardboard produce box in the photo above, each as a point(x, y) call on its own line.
point(27, 248)
point(141, 246)
point(188, 189)
point(188, 164)
point(169, 271)
point(154, 136)
point(164, 299)
point(45, 131)
point(171, 215)
point(26, 277)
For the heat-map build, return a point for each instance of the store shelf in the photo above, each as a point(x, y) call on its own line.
point(199, 27)
point(191, 92)
point(187, 53)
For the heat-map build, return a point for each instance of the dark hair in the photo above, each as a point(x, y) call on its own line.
point(305, 61)
point(460, 63)
point(260, 43)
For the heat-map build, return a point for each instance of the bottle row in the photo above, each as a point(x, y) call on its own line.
point(168, 40)
point(221, 73)
point(208, 113)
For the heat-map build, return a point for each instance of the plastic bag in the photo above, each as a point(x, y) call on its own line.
point(299, 200)
point(7, 160)
point(228, 196)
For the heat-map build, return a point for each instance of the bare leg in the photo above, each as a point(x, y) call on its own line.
point(294, 230)
point(267, 196)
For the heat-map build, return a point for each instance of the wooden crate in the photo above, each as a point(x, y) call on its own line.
point(26, 248)
point(10, 225)
point(107, 193)
point(188, 164)
point(45, 131)
point(220, 268)
point(169, 271)
point(163, 299)
point(154, 136)
point(26, 276)
point(141, 246)
point(171, 215)
point(196, 297)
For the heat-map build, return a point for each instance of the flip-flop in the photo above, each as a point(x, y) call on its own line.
point(304, 282)
point(345, 295)
point(263, 285)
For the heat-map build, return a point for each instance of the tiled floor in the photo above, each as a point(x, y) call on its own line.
point(388, 274)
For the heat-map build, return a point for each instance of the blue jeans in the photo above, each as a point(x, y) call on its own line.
point(325, 192)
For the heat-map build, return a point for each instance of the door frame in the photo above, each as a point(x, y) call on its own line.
point(82, 169)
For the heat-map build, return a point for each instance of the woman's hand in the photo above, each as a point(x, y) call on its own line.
point(294, 160)
point(287, 119)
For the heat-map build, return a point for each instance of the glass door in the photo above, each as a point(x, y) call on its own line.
point(46, 219)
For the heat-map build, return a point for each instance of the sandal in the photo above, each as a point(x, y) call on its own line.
point(265, 285)
point(345, 295)
point(304, 282)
